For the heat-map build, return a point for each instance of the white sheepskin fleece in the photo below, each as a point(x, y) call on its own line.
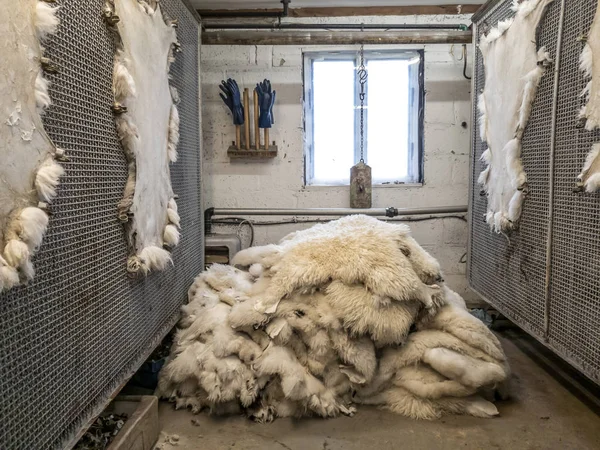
point(589, 179)
point(334, 341)
point(147, 124)
point(29, 173)
point(513, 69)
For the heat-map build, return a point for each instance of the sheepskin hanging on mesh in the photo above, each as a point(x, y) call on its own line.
point(513, 69)
point(148, 127)
point(29, 172)
point(336, 339)
point(589, 179)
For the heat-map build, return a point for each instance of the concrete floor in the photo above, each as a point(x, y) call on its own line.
point(542, 415)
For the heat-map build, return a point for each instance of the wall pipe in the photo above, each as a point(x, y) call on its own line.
point(253, 14)
point(376, 212)
point(339, 212)
point(335, 26)
point(241, 14)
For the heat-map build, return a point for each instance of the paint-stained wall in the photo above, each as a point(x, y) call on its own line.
point(280, 183)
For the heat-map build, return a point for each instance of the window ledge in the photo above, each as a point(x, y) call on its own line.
point(397, 185)
point(319, 187)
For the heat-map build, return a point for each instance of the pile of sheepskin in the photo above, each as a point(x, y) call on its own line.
point(349, 312)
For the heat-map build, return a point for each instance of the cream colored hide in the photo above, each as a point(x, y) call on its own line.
point(29, 174)
point(381, 256)
point(513, 69)
point(333, 341)
point(148, 127)
point(589, 179)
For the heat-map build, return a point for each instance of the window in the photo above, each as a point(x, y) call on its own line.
point(393, 117)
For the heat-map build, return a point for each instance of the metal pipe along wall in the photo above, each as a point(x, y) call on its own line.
point(375, 212)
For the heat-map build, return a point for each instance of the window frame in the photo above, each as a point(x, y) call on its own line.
point(416, 74)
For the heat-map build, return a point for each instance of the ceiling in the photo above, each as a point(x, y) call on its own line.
point(252, 4)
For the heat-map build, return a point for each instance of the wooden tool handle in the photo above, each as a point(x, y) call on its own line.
point(256, 127)
point(238, 137)
point(247, 117)
point(267, 145)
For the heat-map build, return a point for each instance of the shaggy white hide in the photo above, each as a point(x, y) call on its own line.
point(29, 175)
point(148, 126)
point(513, 69)
point(589, 179)
point(404, 272)
point(336, 338)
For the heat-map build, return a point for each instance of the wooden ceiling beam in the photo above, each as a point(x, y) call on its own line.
point(251, 37)
point(349, 11)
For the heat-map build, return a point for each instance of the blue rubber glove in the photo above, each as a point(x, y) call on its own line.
point(233, 100)
point(266, 100)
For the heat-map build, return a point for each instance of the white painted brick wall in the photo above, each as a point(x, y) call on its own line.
point(280, 183)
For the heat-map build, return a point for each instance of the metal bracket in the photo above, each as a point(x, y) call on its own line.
point(208, 214)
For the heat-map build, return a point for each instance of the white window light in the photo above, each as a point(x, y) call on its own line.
point(393, 119)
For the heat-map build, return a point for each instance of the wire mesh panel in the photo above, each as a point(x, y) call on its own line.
point(511, 275)
point(510, 271)
point(574, 309)
point(71, 337)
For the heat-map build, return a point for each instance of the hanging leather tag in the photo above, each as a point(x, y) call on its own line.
point(360, 186)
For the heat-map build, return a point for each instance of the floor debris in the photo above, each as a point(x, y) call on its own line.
point(102, 432)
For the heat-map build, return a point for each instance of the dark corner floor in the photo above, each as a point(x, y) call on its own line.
point(542, 415)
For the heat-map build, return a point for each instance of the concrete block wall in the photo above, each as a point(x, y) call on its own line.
point(279, 183)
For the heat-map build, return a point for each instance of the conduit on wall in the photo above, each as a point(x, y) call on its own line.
point(321, 212)
point(376, 212)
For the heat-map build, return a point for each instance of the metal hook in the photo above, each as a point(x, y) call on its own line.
point(119, 108)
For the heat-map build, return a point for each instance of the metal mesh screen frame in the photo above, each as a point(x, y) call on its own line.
point(511, 272)
point(76, 333)
point(574, 304)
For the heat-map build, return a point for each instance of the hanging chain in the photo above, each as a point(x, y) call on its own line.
point(362, 79)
